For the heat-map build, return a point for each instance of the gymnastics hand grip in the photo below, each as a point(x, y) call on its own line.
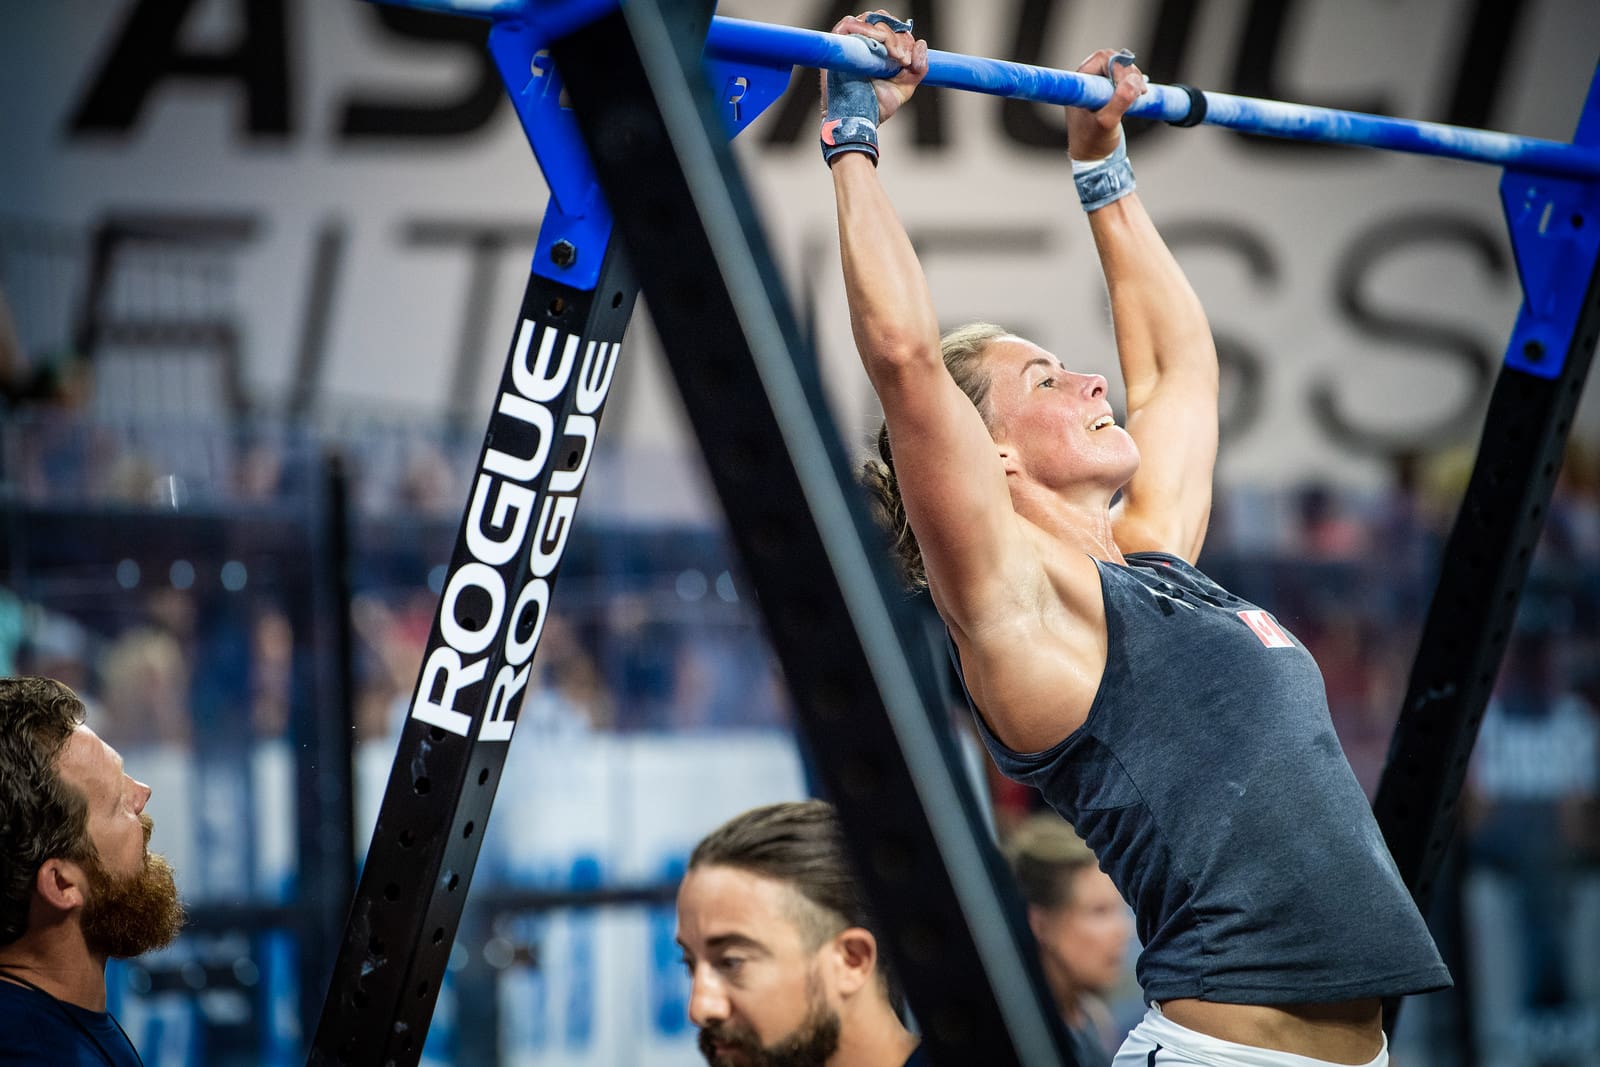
point(850, 123)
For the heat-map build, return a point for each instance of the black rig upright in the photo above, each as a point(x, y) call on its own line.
point(1553, 224)
point(496, 595)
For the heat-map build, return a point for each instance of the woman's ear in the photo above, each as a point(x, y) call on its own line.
point(1010, 459)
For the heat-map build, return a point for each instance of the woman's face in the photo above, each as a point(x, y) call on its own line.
point(1053, 425)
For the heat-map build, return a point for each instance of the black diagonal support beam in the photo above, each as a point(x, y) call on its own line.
point(863, 681)
point(1482, 573)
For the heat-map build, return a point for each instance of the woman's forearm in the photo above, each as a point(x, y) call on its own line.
point(891, 309)
point(1160, 325)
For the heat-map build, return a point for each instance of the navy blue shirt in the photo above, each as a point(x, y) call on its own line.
point(38, 1029)
point(1209, 782)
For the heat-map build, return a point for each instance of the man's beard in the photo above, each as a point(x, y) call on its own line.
point(132, 915)
point(809, 1045)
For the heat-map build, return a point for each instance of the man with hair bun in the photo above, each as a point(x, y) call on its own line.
point(78, 883)
point(781, 948)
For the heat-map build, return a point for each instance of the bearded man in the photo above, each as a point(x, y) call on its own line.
point(783, 961)
point(78, 883)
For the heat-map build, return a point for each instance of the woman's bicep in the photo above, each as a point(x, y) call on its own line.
point(952, 483)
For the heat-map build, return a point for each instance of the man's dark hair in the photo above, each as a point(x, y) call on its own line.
point(800, 844)
point(41, 816)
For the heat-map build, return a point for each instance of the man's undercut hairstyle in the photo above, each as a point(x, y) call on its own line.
point(1046, 854)
point(41, 816)
point(800, 844)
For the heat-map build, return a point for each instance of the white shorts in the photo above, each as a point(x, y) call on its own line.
point(1160, 1042)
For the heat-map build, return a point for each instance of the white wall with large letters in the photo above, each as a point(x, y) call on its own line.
point(1362, 299)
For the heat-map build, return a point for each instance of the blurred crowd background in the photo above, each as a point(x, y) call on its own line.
point(251, 315)
point(165, 571)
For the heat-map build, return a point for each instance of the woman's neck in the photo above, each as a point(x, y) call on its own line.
point(1081, 522)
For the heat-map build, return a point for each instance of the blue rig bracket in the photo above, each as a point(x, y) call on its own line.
point(1554, 224)
point(577, 221)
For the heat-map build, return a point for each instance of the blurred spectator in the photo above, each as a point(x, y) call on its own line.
point(271, 672)
point(566, 694)
point(1082, 926)
point(641, 660)
point(1572, 530)
point(23, 381)
point(718, 681)
point(13, 630)
point(1325, 531)
point(1533, 779)
point(392, 639)
point(429, 485)
point(12, 360)
point(145, 683)
point(1343, 648)
point(259, 470)
point(56, 646)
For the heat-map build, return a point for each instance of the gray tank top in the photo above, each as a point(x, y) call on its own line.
point(1208, 780)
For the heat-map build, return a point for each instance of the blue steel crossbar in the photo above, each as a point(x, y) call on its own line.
point(773, 46)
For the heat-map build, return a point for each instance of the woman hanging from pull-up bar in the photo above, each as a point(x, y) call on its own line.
point(1181, 730)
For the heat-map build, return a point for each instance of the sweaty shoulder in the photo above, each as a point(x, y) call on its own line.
point(1033, 666)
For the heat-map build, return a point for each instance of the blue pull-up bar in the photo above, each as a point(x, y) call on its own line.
point(733, 39)
point(781, 47)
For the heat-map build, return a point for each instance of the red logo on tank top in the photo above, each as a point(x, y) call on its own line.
point(1266, 627)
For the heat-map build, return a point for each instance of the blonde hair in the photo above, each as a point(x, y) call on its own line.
point(1045, 854)
point(962, 349)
